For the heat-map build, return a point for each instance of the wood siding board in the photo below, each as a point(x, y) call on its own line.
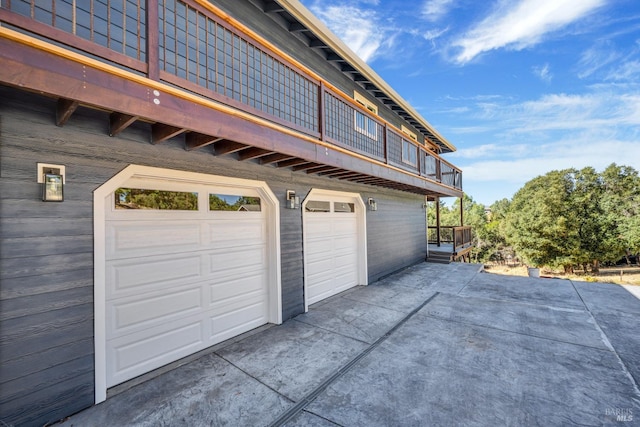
point(51, 404)
point(35, 266)
point(50, 358)
point(42, 246)
point(20, 388)
point(36, 304)
point(36, 333)
point(18, 287)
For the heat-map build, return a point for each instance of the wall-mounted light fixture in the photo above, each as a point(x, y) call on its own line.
point(293, 201)
point(51, 177)
point(373, 205)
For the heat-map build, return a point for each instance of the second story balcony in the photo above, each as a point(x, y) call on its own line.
point(194, 74)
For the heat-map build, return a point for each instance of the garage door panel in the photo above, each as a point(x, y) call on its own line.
point(165, 306)
point(226, 293)
point(227, 234)
point(319, 246)
point(135, 354)
point(127, 239)
point(331, 245)
point(229, 324)
point(178, 282)
point(319, 267)
point(318, 227)
point(235, 261)
point(137, 275)
point(344, 227)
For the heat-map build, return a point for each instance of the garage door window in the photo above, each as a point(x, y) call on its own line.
point(344, 207)
point(318, 206)
point(234, 203)
point(137, 198)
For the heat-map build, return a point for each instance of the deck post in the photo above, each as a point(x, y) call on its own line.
point(462, 211)
point(438, 221)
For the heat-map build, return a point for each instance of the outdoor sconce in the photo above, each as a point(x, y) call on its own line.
point(51, 177)
point(373, 206)
point(293, 201)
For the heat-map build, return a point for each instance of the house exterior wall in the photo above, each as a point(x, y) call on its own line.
point(46, 249)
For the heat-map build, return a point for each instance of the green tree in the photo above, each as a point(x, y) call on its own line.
point(621, 204)
point(541, 224)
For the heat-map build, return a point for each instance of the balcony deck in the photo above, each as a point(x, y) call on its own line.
point(252, 101)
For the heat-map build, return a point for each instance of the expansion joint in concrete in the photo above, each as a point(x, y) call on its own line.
point(303, 403)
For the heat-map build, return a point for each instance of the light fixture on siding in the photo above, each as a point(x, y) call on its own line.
point(293, 201)
point(373, 205)
point(51, 177)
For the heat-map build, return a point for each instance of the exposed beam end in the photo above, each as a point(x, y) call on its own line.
point(64, 110)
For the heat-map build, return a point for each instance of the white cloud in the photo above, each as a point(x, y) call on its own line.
point(357, 28)
point(555, 131)
point(596, 58)
point(543, 73)
point(433, 35)
point(433, 10)
point(520, 25)
point(627, 71)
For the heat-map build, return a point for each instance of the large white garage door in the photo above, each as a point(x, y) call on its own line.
point(187, 266)
point(334, 246)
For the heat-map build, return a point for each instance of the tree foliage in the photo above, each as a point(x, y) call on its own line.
point(561, 219)
point(575, 217)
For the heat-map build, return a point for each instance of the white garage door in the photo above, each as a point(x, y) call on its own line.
point(334, 247)
point(187, 266)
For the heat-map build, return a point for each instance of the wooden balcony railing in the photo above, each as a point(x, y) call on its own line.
point(186, 43)
point(459, 237)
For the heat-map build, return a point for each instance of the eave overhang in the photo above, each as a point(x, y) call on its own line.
point(300, 20)
point(75, 79)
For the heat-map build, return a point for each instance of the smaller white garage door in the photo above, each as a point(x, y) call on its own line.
point(334, 243)
point(188, 265)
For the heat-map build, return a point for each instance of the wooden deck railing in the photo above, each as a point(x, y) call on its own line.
point(186, 43)
point(459, 237)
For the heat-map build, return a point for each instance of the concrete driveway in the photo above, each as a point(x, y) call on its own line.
point(432, 345)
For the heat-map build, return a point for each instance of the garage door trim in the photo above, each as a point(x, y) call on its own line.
point(103, 196)
point(360, 212)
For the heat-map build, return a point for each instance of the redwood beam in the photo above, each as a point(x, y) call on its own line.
point(26, 67)
point(195, 140)
point(292, 162)
point(347, 175)
point(321, 168)
point(333, 173)
point(228, 147)
point(274, 158)
point(64, 110)
point(161, 132)
point(119, 122)
point(307, 167)
point(253, 153)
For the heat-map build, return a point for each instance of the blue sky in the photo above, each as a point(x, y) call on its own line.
point(520, 87)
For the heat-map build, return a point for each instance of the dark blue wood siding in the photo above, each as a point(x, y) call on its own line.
point(46, 249)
